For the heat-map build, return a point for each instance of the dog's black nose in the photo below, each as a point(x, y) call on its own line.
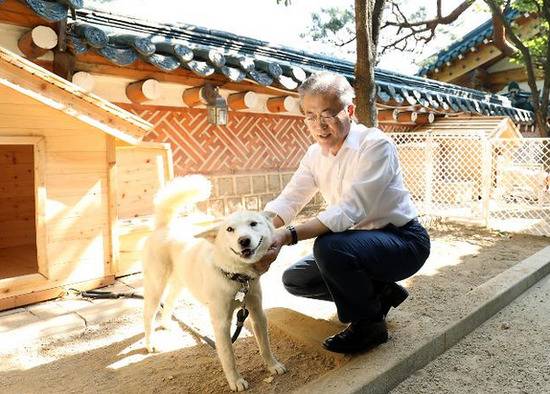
point(244, 241)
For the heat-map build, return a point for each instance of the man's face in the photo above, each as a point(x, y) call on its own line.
point(327, 120)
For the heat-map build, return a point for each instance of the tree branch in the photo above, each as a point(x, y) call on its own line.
point(433, 23)
point(377, 12)
point(499, 38)
point(526, 54)
point(546, 85)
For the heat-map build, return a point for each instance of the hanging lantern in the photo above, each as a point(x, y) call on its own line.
point(217, 110)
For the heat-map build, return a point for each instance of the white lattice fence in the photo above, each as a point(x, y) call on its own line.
point(520, 195)
point(498, 183)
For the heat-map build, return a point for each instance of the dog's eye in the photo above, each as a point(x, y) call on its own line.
point(229, 229)
point(253, 224)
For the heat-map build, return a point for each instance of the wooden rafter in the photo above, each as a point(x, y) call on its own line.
point(96, 64)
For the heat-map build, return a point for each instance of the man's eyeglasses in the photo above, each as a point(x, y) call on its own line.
point(323, 118)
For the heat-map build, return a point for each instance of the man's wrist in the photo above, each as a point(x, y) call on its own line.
point(292, 235)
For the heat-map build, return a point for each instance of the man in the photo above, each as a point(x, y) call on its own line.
point(368, 237)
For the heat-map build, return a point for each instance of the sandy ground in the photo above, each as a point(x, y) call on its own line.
point(110, 357)
point(510, 353)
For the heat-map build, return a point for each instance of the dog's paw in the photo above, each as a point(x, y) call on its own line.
point(151, 347)
point(277, 369)
point(238, 385)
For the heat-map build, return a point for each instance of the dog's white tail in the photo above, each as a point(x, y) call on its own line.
point(181, 191)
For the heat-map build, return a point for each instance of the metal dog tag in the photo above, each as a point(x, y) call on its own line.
point(240, 296)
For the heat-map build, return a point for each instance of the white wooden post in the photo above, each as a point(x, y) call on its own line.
point(486, 175)
point(429, 170)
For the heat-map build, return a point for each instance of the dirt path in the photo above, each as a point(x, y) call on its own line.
point(110, 357)
point(508, 354)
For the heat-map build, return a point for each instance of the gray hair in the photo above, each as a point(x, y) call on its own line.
point(325, 82)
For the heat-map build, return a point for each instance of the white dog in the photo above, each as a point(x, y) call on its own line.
point(215, 273)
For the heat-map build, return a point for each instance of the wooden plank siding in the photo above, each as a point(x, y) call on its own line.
point(141, 171)
point(75, 177)
point(69, 177)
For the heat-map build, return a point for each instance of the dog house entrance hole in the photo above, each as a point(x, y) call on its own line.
point(17, 211)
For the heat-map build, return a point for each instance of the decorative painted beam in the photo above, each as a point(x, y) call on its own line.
point(244, 100)
point(119, 56)
point(282, 104)
point(37, 42)
point(422, 118)
point(386, 115)
point(85, 80)
point(141, 91)
point(195, 96)
point(404, 117)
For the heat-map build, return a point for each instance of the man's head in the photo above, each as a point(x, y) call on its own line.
point(327, 101)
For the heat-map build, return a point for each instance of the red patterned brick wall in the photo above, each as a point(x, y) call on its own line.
point(249, 142)
point(249, 160)
point(395, 128)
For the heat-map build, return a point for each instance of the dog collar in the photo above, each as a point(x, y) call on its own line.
point(241, 278)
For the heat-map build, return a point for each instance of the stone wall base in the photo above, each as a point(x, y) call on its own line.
point(249, 191)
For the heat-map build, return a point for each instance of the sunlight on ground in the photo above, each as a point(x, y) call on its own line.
point(191, 320)
point(454, 253)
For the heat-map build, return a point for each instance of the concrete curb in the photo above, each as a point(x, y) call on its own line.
point(379, 372)
point(62, 317)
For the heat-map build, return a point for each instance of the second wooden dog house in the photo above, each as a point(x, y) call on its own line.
point(72, 166)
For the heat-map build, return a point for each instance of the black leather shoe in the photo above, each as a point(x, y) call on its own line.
point(358, 337)
point(392, 294)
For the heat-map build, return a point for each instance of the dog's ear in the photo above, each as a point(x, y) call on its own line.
point(268, 215)
point(209, 233)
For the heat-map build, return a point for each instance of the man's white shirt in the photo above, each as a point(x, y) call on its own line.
point(362, 184)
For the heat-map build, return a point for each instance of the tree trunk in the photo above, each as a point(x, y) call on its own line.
point(540, 112)
point(546, 85)
point(365, 88)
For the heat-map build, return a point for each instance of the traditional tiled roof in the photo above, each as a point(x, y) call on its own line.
point(53, 11)
point(51, 91)
point(123, 40)
point(480, 35)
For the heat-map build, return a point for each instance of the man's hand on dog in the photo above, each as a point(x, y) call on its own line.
point(280, 238)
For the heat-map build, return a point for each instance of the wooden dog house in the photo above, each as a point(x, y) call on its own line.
point(72, 166)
